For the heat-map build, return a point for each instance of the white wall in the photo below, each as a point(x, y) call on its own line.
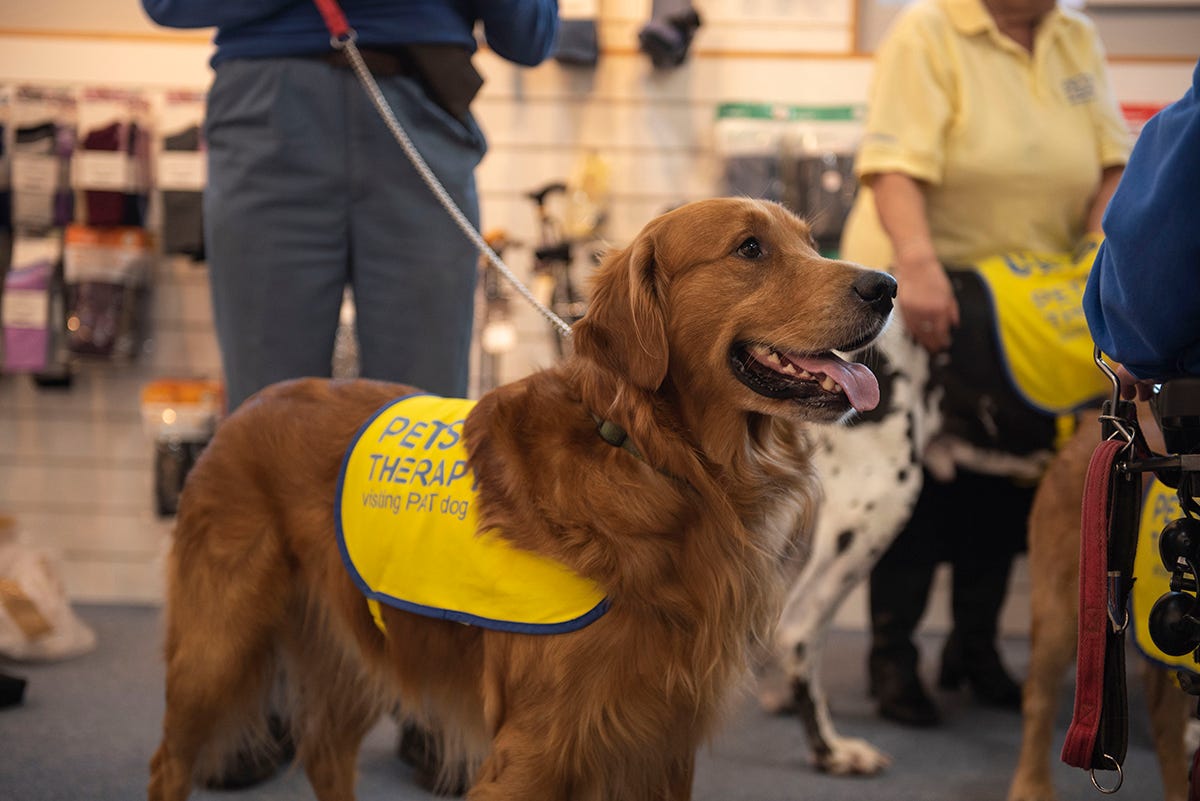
point(75, 465)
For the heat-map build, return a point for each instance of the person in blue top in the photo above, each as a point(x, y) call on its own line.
point(308, 192)
point(1142, 299)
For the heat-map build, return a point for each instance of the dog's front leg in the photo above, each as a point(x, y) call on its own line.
point(866, 503)
point(518, 769)
point(170, 777)
point(854, 528)
point(331, 763)
point(1170, 709)
point(802, 637)
point(1051, 650)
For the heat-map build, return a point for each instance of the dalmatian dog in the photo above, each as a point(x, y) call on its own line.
point(872, 473)
point(866, 502)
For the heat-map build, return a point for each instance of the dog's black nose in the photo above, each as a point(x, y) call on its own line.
point(876, 289)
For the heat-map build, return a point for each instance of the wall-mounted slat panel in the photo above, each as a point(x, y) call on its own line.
point(75, 465)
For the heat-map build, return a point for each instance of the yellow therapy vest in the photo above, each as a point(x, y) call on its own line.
point(1160, 505)
point(1043, 335)
point(407, 529)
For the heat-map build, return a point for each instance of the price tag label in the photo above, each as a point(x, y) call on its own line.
point(34, 174)
point(32, 249)
point(102, 170)
point(25, 308)
point(182, 171)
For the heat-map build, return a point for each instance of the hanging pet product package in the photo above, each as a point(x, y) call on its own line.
point(818, 168)
point(749, 139)
point(180, 172)
point(27, 310)
point(578, 43)
point(43, 140)
point(181, 415)
point(110, 166)
point(801, 156)
point(106, 271)
point(6, 102)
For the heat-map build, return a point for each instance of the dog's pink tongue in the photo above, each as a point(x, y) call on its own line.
point(856, 380)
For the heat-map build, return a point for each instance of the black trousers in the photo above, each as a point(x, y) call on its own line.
point(978, 524)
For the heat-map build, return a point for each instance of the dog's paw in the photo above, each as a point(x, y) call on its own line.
point(850, 756)
point(1025, 790)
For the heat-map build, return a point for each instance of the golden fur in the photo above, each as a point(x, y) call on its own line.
point(692, 543)
point(1054, 525)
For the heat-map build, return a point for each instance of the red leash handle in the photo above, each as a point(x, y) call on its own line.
point(335, 20)
point(1078, 750)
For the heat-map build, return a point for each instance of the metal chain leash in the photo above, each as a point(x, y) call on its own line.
point(346, 43)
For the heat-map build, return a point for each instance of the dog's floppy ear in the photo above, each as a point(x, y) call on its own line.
point(625, 329)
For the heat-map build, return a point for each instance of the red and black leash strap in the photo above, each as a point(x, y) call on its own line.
point(1098, 737)
point(1081, 738)
point(1125, 503)
point(335, 20)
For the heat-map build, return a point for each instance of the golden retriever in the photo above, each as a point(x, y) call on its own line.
point(1054, 530)
point(709, 341)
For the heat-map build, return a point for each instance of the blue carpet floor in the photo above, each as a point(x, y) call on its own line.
point(89, 725)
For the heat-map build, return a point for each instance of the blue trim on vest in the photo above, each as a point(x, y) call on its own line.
point(438, 613)
point(586, 619)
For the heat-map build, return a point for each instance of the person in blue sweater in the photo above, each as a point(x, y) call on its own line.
point(308, 192)
point(1142, 299)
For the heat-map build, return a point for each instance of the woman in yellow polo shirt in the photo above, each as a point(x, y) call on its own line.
point(990, 128)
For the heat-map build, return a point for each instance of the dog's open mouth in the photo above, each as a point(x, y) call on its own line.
point(825, 377)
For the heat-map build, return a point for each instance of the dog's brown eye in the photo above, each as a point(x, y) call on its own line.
point(750, 249)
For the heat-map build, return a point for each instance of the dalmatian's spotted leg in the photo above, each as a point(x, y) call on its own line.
point(839, 564)
point(872, 476)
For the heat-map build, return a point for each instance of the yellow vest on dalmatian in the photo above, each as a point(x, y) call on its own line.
point(407, 529)
point(1160, 505)
point(1045, 343)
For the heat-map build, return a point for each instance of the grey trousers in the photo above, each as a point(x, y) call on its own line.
point(307, 193)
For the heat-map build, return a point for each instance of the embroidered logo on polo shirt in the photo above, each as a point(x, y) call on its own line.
point(1079, 89)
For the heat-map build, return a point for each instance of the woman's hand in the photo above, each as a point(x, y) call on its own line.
point(925, 300)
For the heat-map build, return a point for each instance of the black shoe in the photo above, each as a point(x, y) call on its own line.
point(12, 690)
point(248, 768)
point(900, 695)
point(978, 665)
point(418, 748)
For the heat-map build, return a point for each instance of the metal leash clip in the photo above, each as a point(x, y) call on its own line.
point(1123, 427)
